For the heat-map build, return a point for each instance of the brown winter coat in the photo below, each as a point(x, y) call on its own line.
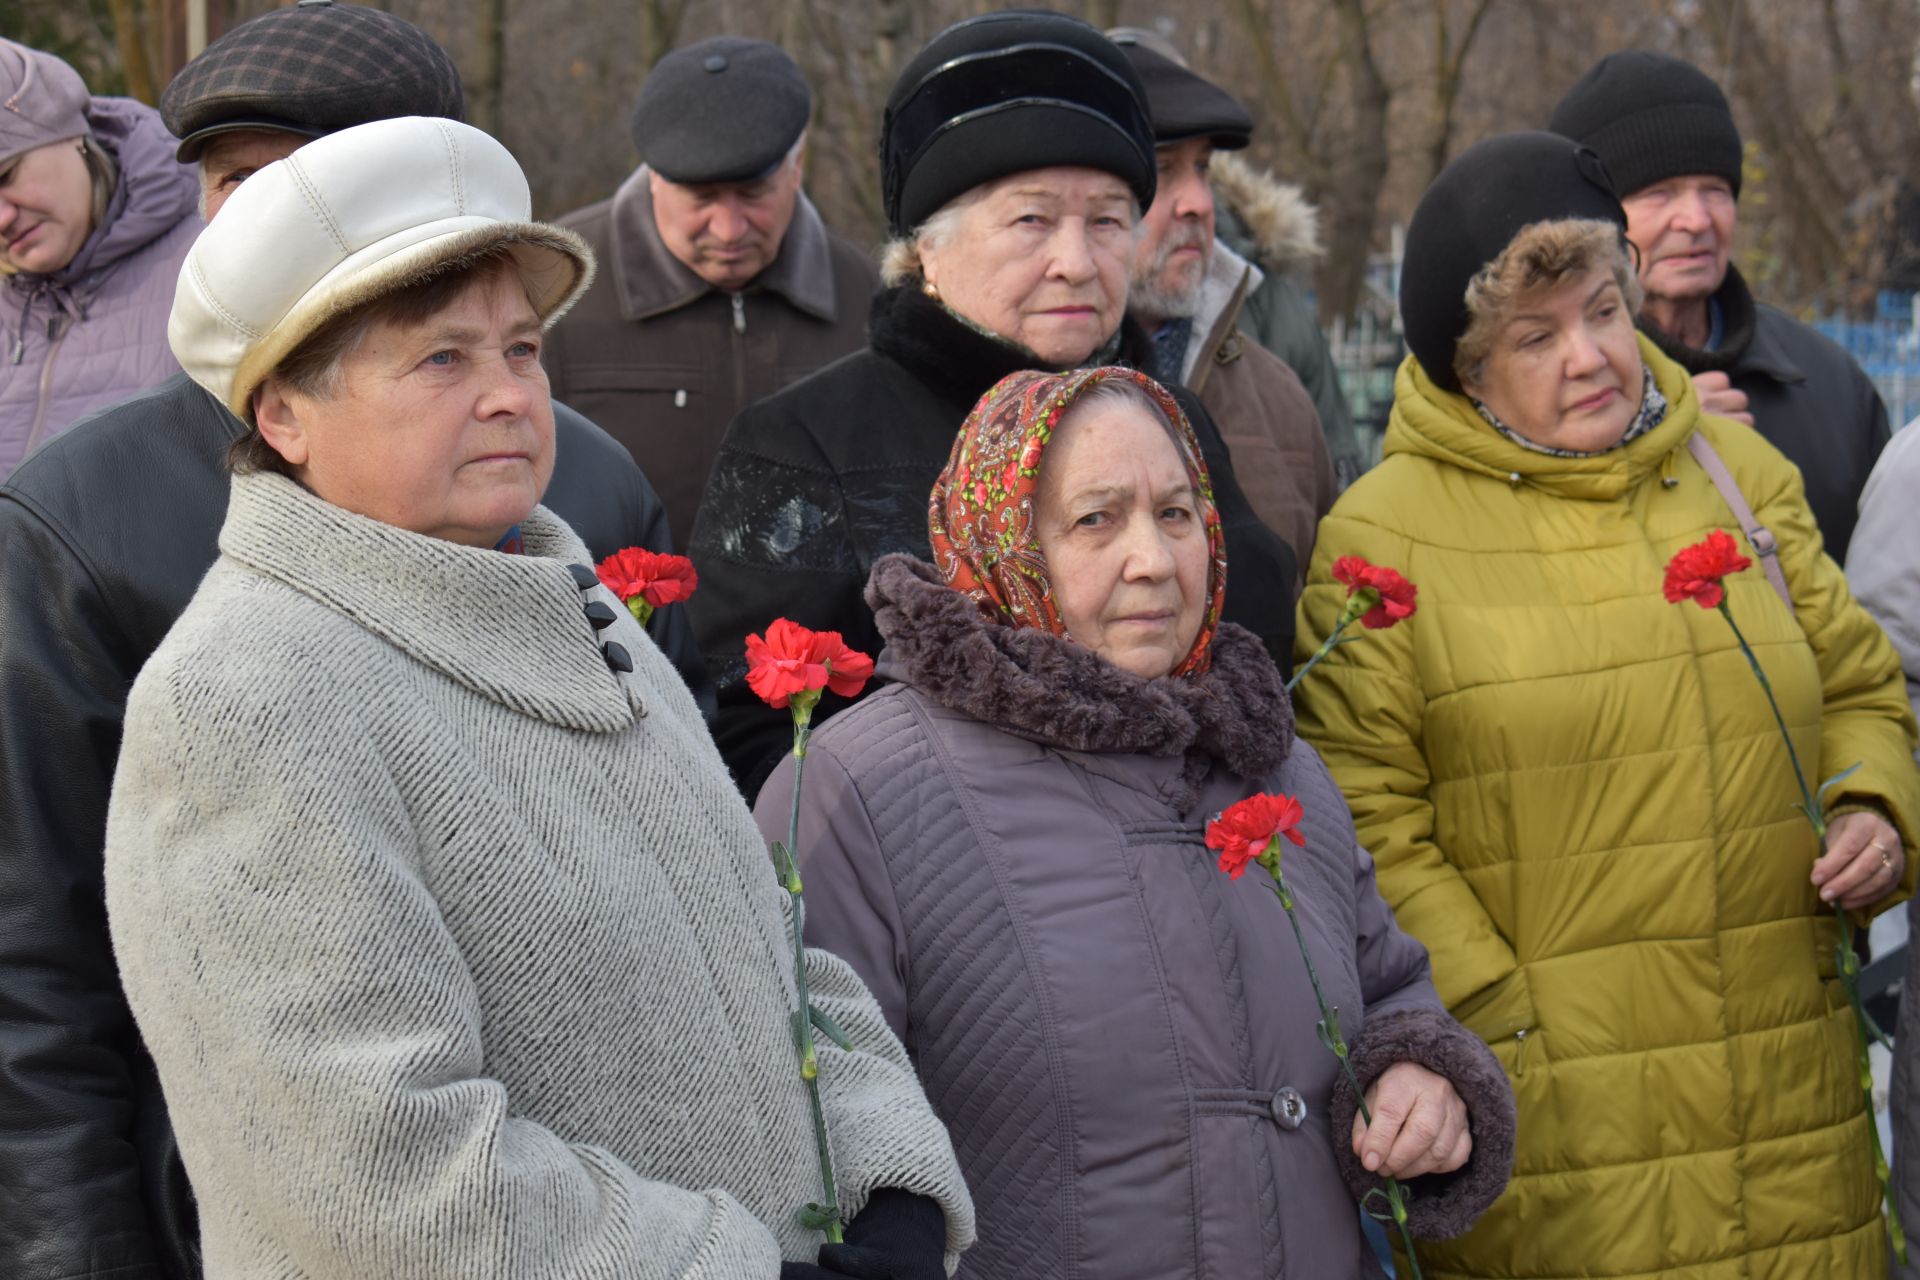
point(1264, 412)
point(663, 361)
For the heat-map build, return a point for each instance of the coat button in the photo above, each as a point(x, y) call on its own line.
point(583, 576)
point(1289, 1108)
point(617, 658)
point(599, 614)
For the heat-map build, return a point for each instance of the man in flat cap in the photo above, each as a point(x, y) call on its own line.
point(1260, 225)
point(106, 531)
point(1189, 292)
point(719, 283)
point(1667, 136)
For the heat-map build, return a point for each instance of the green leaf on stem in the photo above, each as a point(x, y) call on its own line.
point(828, 1027)
point(816, 1217)
point(1836, 780)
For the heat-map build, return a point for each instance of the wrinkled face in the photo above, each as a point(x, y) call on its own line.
point(443, 427)
point(1683, 228)
point(1041, 259)
point(727, 232)
point(1565, 369)
point(1120, 527)
point(1176, 244)
point(46, 207)
point(229, 159)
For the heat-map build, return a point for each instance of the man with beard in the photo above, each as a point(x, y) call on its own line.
point(1188, 290)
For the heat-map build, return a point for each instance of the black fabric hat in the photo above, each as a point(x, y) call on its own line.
point(312, 68)
point(1003, 93)
point(1469, 216)
point(1651, 116)
point(722, 110)
point(1183, 105)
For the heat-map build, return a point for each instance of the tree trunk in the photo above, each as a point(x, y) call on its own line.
point(130, 37)
point(1352, 197)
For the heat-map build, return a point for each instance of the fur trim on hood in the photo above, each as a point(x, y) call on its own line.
point(1284, 229)
point(1050, 690)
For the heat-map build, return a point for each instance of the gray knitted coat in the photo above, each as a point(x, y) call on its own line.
point(1007, 844)
point(457, 951)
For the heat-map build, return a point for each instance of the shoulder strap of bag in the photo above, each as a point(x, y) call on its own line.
point(1758, 535)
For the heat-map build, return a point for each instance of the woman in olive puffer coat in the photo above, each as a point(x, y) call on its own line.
point(1575, 792)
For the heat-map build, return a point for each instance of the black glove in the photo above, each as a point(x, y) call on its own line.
point(898, 1236)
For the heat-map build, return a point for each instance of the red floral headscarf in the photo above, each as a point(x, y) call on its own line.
point(981, 515)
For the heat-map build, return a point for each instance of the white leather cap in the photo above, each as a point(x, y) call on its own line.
point(347, 219)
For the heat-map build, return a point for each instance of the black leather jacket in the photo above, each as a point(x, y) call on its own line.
point(104, 536)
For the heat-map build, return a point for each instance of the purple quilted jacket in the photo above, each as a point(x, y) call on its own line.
point(96, 331)
point(1006, 843)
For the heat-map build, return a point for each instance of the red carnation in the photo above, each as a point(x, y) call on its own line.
point(1392, 597)
point(1695, 572)
point(791, 665)
point(1246, 831)
point(645, 580)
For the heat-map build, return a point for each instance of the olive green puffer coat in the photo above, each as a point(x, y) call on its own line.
point(1578, 800)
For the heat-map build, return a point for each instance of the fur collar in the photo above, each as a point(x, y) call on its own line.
point(1041, 687)
point(955, 361)
point(1283, 229)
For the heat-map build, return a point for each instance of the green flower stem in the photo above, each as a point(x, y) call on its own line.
point(1327, 646)
point(1330, 1030)
point(1846, 960)
point(642, 611)
point(803, 1020)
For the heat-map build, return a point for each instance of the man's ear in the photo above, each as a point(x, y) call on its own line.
point(279, 419)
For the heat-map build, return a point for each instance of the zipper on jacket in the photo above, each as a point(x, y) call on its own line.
point(1520, 1057)
point(739, 353)
point(57, 333)
point(739, 314)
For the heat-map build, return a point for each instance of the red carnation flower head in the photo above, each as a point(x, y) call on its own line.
point(1376, 595)
point(791, 664)
point(1250, 832)
point(1696, 573)
point(645, 580)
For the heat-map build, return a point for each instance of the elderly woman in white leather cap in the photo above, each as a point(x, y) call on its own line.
point(457, 952)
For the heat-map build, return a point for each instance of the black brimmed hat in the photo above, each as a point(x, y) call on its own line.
point(727, 109)
point(311, 69)
point(1469, 216)
point(1007, 92)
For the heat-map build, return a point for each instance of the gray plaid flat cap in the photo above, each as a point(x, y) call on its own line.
point(311, 69)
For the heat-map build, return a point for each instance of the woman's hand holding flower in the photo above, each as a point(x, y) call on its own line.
point(1419, 1124)
point(1864, 861)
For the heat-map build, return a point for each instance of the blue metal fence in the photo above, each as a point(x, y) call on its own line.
point(1888, 348)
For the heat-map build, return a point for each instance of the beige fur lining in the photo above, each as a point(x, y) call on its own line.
point(1284, 224)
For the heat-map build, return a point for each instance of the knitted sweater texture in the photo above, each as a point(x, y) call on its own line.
point(458, 953)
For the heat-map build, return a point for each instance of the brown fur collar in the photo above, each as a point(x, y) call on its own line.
point(1039, 686)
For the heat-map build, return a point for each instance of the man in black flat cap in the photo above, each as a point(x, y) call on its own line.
point(719, 283)
point(1189, 291)
point(104, 535)
point(1668, 139)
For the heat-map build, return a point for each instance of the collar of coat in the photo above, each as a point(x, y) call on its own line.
point(1442, 425)
point(1745, 346)
point(956, 361)
point(509, 628)
point(1050, 690)
point(651, 281)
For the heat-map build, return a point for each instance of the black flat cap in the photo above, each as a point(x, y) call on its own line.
point(312, 68)
point(1469, 216)
point(1183, 105)
point(1007, 92)
point(722, 110)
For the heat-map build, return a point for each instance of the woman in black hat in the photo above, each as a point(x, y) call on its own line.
point(1017, 157)
point(1575, 791)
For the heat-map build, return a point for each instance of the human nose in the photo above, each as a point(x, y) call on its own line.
point(728, 222)
point(1193, 197)
point(1072, 252)
point(1690, 214)
point(506, 392)
point(8, 211)
point(1149, 553)
point(1584, 355)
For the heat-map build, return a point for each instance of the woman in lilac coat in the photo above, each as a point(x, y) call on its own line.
point(1006, 843)
point(95, 218)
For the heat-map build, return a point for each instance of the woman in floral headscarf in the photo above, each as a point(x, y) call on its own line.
point(1005, 841)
